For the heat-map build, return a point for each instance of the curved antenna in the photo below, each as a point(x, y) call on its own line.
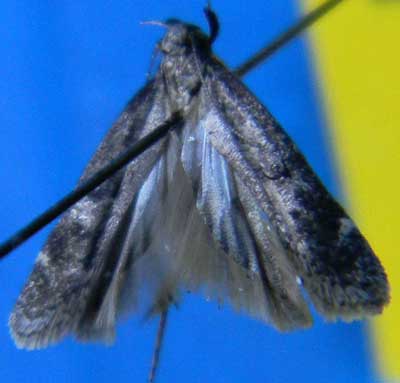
point(154, 22)
point(213, 23)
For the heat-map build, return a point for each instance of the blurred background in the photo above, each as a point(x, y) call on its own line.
point(68, 68)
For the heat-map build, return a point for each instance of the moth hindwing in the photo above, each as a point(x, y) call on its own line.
point(225, 204)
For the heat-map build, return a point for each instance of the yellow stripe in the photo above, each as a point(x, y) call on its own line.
point(357, 49)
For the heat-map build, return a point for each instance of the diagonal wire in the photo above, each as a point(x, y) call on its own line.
point(285, 37)
point(66, 202)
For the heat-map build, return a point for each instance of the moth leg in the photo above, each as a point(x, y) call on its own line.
point(158, 345)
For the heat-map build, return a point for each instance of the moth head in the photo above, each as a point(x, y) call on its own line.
point(182, 36)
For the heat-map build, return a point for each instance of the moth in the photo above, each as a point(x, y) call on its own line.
point(224, 204)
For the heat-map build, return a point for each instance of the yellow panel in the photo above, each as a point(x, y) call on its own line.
point(357, 53)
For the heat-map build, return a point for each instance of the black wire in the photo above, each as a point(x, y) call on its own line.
point(285, 37)
point(143, 144)
point(62, 205)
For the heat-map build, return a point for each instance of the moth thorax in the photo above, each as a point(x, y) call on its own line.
point(183, 76)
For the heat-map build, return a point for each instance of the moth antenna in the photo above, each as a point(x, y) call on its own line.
point(285, 37)
point(158, 345)
point(74, 196)
point(213, 22)
point(154, 22)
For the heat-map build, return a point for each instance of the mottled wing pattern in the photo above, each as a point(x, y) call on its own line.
point(72, 274)
point(315, 236)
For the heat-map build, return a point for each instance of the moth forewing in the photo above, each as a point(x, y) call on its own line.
point(75, 269)
point(338, 268)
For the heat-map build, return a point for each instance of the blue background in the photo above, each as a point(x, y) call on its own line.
point(66, 71)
